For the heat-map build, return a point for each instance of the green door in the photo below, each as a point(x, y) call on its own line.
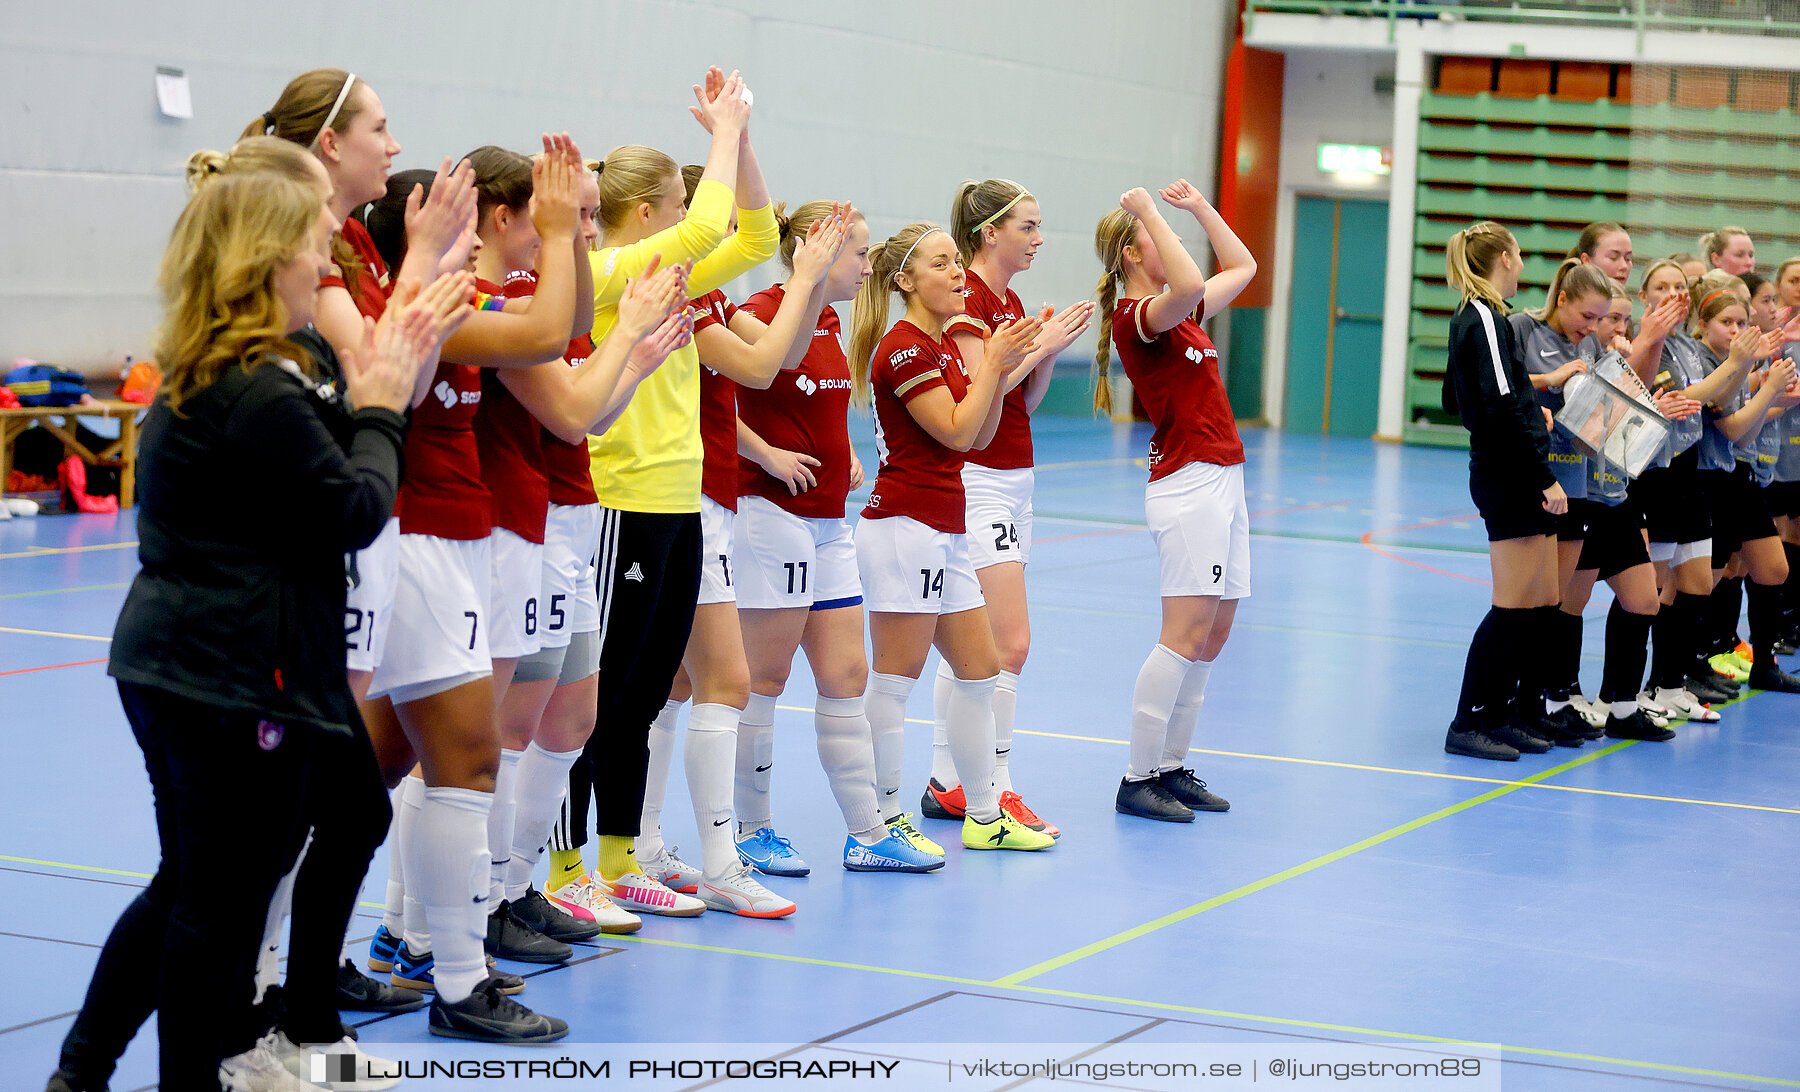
point(1334, 316)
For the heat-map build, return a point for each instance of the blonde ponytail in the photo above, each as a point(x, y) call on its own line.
point(1470, 257)
point(1576, 279)
point(1116, 231)
point(869, 316)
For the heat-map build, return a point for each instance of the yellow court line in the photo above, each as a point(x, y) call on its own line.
point(1048, 992)
point(50, 633)
point(49, 551)
point(1392, 770)
point(1178, 916)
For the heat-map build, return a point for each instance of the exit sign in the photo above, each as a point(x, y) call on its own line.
point(1355, 159)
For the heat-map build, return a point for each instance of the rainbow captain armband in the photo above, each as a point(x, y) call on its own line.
point(486, 302)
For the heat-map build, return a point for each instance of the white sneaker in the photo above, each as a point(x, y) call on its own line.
point(740, 893)
point(318, 1064)
point(1684, 704)
point(260, 1069)
point(18, 506)
point(671, 871)
point(1595, 714)
point(581, 900)
point(1659, 714)
point(642, 895)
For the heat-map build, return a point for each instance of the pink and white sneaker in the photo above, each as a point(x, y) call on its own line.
point(640, 894)
point(582, 901)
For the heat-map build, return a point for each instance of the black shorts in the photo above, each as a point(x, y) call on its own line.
point(1673, 504)
point(1782, 499)
point(1740, 514)
point(1615, 539)
point(1572, 526)
point(1509, 509)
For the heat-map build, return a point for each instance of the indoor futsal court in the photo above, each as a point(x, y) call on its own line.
point(1617, 917)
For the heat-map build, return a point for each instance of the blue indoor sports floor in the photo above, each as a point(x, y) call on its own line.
point(1623, 916)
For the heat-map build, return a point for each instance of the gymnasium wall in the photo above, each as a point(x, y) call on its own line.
point(887, 104)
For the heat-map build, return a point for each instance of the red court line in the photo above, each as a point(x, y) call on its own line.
point(1368, 540)
point(51, 667)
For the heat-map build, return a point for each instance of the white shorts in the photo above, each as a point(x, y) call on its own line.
point(715, 554)
point(908, 568)
point(998, 514)
point(570, 603)
point(440, 627)
point(1661, 552)
point(1688, 551)
point(782, 560)
point(516, 589)
point(1202, 529)
point(369, 606)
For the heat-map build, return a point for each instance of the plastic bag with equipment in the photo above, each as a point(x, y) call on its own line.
point(1612, 419)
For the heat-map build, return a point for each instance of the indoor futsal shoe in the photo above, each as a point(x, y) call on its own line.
point(581, 900)
point(370, 1074)
point(1708, 690)
point(640, 894)
point(259, 1069)
point(382, 947)
point(1685, 705)
point(771, 854)
point(534, 911)
point(903, 825)
point(1003, 832)
point(1475, 743)
point(510, 938)
point(1726, 664)
point(740, 893)
point(357, 992)
point(892, 854)
point(1148, 799)
point(413, 972)
point(1565, 727)
point(1020, 812)
point(1770, 677)
point(941, 803)
point(489, 1016)
point(1637, 726)
point(1519, 737)
point(671, 871)
point(1190, 790)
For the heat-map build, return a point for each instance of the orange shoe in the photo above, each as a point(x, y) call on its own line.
point(941, 803)
point(1014, 806)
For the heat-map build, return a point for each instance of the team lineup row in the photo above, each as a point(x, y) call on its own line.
point(620, 492)
point(1714, 354)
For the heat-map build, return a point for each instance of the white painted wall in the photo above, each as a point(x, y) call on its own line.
point(888, 105)
point(1327, 97)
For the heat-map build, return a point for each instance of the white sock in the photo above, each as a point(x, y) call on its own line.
point(447, 865)
point(709, 756)
point(1185, 716)
point(972, 743)
point(268, 960)
point(1553, 706)
point(500, 823)
point(1623, 709)
point(1006, 704)
point(542, 782)
point(1152, 704)
point(755, 758)
point(848, 757)
point(413, 929)
point(395, 907)
point(656, 780)
point(943, 767)
point(885, 706)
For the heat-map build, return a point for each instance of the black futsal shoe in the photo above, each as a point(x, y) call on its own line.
point(1150, 800)
point(510, 938)
point(1476, 743)
point(1768, 676)
point(1637, 726)
point(539, 913)
point(1518, 734)
point(1190, 790)
point(1708, 693)
point(1565, 727)
point(489, 1016)
point(357, 992)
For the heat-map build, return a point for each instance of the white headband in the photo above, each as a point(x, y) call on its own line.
point(904, 257)
point(343, 93)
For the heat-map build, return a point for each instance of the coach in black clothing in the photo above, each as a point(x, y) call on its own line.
point(229, 652)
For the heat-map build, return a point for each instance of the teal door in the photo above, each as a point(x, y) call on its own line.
point(1334, 316)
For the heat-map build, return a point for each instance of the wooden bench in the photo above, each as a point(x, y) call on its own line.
point(59, 421)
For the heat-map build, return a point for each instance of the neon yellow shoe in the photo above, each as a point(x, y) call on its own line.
point(1003, 833)
point(1726, 664)
point(902, 825)
point(1742, 656)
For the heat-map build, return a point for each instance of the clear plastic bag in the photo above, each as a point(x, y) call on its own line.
point(1609, 415)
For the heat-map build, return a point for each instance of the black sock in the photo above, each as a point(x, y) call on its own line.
point(1690, 612)
point(1726, 604)
point(1765, 624)
point(1565, 637)
point(1626, 634)
point(1489, 674)
point(1667, 665)
point(1791, 607)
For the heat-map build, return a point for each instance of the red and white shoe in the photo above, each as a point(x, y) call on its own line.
point(582, 901)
